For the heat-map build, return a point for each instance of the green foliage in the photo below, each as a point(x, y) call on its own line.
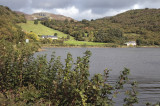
point(8, 28)
point(58, 42)
point(139, 42)
point(132, 95)
point(150, 104)
point(12, 61)
point(109, 36)
point(55, 34)
point(36, 22)
point(36, 80)
point(68, 37)
point(32, 36)
point(24, 96)
point(87, 31)
point(46, 41)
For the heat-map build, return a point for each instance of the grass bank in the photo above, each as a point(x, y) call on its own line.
point(40, 29)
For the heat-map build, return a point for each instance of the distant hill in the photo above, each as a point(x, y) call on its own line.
point(148, 19)
point(44, 15)
point(27, 16)
point(141, 25)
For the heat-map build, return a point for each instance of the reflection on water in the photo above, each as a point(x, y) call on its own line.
point(144, 64)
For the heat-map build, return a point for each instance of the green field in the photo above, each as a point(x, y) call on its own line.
point(84, 43)
point(40, 29)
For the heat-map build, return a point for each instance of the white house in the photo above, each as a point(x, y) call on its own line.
point(27, 40)
point(131, 43)
point(49, 36)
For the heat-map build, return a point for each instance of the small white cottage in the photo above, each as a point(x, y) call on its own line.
point(27, 40)
point(49, 36)
point(131, 43)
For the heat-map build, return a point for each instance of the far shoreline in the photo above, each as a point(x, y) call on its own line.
point(53, 46)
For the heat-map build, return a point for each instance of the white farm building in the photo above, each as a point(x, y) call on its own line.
point(49, 36)
point(131, 43)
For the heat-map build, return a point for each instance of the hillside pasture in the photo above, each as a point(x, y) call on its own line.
point(40, 29)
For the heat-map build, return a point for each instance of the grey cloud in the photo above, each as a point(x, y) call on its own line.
point(150, 3)
point(80, 4)
point(99, 7)
point(50, 4)
point(102, 6)
point(14, 4)
point(107, 3)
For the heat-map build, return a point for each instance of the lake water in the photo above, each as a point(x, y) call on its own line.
point(144, 64)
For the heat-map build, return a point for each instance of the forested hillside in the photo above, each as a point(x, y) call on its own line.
point(148, 19)
point(143, 22)
point(141, 25)
point(8, 28)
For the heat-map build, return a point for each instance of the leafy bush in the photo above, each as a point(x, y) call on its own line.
point(32, 36)
point(25, 80)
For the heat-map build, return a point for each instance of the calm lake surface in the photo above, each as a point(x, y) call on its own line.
point(144, 64)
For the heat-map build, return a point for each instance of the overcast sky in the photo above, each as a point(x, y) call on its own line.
point(79, 9)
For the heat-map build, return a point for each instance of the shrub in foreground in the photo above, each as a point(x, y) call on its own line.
point(35, 81)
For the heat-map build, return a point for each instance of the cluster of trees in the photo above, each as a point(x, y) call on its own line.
point(142, 24)
point(59, 42)
point(36, 22)
point(110, 35)
point(86, 30)
point(32, 37)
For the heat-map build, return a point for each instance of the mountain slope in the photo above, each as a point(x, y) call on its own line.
point(144, 18)
point(143, 22)
point(8, 28)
